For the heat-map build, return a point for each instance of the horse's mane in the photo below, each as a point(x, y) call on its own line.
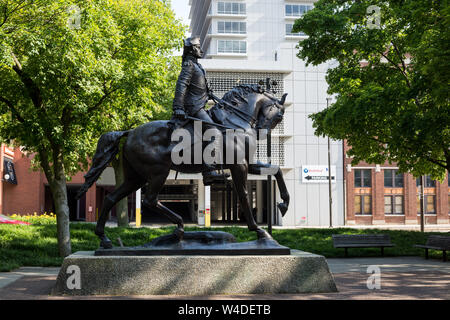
point(237, 95)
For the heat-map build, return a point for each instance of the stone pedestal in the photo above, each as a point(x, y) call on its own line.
point(83, 273)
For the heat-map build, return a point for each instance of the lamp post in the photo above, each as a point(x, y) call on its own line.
point(329, 175)
point(269, 177)
point(422, 202)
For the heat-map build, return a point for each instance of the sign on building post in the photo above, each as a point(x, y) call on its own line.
point(318, 174)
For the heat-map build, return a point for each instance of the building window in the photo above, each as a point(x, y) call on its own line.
point(429, 183)
point(393, 204)
point(289, 32)
point(363, 204)
point(430, 204)
point(231, 8)
point(232, 46)
point(234, 27)
point(363, 178)
point(297, 10)
point(393, 179)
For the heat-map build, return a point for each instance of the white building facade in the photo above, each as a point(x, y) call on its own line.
point(248, 42)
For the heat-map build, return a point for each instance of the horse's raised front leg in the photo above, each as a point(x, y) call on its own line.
point(151, 201)
point(264, 168)
point(239, 173)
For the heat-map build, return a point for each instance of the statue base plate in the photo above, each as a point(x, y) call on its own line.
point(207, 243)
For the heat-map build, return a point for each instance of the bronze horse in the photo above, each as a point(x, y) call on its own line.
point(148, 149)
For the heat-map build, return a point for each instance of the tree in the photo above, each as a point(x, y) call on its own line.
point(391, 80)
point(66, 64)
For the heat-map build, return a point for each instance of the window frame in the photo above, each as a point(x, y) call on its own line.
point(393, 204)
point(241, 8)
point(362, 178)
point(228, 46)
point(362, 204)
point(227, 27)
point(393, 173)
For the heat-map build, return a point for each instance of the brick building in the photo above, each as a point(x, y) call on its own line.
point(23, 191)
point(378, 195)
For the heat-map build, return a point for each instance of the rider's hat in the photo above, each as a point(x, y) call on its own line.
point(192, 41)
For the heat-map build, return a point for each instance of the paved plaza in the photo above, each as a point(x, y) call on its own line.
point(400, 278)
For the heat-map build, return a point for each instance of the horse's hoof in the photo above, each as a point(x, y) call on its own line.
point(179, 233)
point(105, 243)
point(263, 234)
point(283, 208)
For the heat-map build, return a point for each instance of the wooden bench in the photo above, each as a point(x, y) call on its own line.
point(361, 241)
point(436, 243)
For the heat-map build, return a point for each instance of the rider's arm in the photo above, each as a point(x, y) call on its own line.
point(182, 84)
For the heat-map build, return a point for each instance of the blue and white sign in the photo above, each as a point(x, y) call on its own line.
point(318, 174)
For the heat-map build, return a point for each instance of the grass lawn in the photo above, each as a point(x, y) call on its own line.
point(35, 245)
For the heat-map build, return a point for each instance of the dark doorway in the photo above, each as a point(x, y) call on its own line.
point(77, 208)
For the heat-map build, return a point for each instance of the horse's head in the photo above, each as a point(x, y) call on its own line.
point(262, 107)
point(270, 111)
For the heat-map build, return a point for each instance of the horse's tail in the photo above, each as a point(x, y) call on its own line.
point(107, 148)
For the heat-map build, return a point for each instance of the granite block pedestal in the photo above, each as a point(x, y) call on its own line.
point(84, 273)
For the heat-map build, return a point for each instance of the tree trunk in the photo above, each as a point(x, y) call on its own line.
point(58, 188)
point(122, 205)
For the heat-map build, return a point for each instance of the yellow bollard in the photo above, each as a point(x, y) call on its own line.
point(138, 217)
point(207, 218)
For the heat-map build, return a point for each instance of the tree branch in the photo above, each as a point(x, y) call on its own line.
point(12, 108)
point(31, 87)
point(102, 99)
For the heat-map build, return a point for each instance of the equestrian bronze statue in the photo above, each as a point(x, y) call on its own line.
point(148, 150)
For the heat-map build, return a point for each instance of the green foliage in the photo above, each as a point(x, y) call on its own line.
point(61, 86)
point(391, 83)
point(36, 245)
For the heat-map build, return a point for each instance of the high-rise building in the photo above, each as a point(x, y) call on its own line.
point(246, 42)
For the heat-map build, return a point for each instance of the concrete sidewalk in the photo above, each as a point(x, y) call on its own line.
point(401, 278)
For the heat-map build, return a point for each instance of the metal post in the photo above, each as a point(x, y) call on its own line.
point(330, 197)
point(269, 183)
point(269, 177)
point(422, 209)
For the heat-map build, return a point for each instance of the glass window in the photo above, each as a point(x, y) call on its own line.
point(288, 10)
point(388, 181)
point(367, 204)
point(430, 204)
point(393, 204)
point(235, 9)
point(231, 8)
point(296, 10)
point(221, 27)
point(289, 32)
point(393, 179)
point(243, 9)
point(231, 27)
point(232, 46)
point(357, 205)
point(388, 204)
point(363, 204)
point(221, 7)
point(429, 183)
point(363, 178)
point(430, 200)
point(367, 178)
point(227, 7)
point(398, 204)
point(358, 179)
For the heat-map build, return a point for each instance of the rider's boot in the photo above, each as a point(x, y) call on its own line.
point(209, 177)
